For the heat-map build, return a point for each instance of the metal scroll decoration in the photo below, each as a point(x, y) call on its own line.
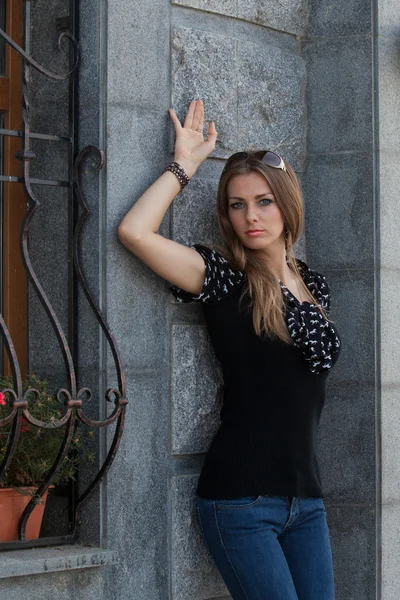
point(73, 398)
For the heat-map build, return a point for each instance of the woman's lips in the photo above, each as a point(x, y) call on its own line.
point(254, 233)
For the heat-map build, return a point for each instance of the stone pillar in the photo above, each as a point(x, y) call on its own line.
point(136, 100)
point(340, 211)
point(244, 61)
point(388, 307)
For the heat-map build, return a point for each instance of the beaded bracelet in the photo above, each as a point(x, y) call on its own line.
point(177, 170)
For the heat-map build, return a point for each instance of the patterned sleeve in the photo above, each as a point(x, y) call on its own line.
point(219, 280)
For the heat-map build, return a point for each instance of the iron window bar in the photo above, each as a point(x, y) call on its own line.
point(53, 182)
point(36, 136)
point(73, 398)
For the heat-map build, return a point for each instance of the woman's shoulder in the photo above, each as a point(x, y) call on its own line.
point(215, 254)
point(220, 278)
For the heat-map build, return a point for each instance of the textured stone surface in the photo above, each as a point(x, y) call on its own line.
point(196, 379)
point(340, 242)
point(287, 15)
point(92, 95)
point(194, 216)
point(47, 560)
point(137, 51)
point(45, 53)
point(136, 154)
point(339, 88)
point(262, 91)
point(223, 7)
point(353, 18)
point(85, 584)
point(48, 231)
point(390, 330)
point(389, 213)
point(390, 549)
point(352, 532)
point(204, 66)
point(138, 318)
point(271, 107)
point(48, 251)
point(137, 492)
point(389, 127)
point(390, 455)
point(353, 313)
point(138, 315)
point(338, 189)
point(388, 24)
point(346, 443)
point(51, 160)
point(232, 27)
point(389, 130)
point(194, 574)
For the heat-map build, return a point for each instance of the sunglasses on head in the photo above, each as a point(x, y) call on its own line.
point(268, 158)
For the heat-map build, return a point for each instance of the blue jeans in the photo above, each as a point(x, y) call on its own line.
point(270, 547)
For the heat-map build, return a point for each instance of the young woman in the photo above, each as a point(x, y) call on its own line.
point(259, 497)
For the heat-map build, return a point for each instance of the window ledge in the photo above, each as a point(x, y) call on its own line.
point(56, 558)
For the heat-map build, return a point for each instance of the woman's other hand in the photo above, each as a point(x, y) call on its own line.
point(190, 147)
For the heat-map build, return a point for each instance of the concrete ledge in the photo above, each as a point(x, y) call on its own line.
point(32, 561)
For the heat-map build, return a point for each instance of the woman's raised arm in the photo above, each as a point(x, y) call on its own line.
point(179, 264)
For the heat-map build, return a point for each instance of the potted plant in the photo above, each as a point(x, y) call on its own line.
point(36, 452)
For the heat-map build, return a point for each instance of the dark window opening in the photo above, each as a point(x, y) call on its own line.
point(42, 317)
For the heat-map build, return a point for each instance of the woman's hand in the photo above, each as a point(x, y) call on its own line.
point(190, 148)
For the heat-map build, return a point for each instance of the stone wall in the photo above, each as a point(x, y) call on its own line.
point(340, 241)
point(388, 86)
point(252, 80)
point(294, 76)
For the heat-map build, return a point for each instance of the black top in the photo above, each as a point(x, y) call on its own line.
point(274, 392)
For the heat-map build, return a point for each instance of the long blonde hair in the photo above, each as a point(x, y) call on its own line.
point(263, 287)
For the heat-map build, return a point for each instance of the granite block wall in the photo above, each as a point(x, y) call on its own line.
point(254, 89)
point(339, 187)
point(388, 86)
point(294, 76)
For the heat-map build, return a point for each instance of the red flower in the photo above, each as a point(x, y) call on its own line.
point(2, 399)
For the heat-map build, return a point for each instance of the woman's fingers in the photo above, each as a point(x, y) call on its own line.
point(190, 114)
point(198, 117)
point(212, 135)
point(195, 117)
point(175, 119)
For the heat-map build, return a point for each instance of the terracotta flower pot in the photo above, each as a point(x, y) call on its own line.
point(12, 505)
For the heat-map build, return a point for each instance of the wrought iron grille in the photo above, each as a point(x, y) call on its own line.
point(72, 397)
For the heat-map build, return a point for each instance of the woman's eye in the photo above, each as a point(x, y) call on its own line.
point(263, 202)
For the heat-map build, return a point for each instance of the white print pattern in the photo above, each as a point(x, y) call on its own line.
point(219, 281)
point(325, 341)
point(316, 337)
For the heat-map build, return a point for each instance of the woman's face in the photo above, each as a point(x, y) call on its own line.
point(255, 216)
